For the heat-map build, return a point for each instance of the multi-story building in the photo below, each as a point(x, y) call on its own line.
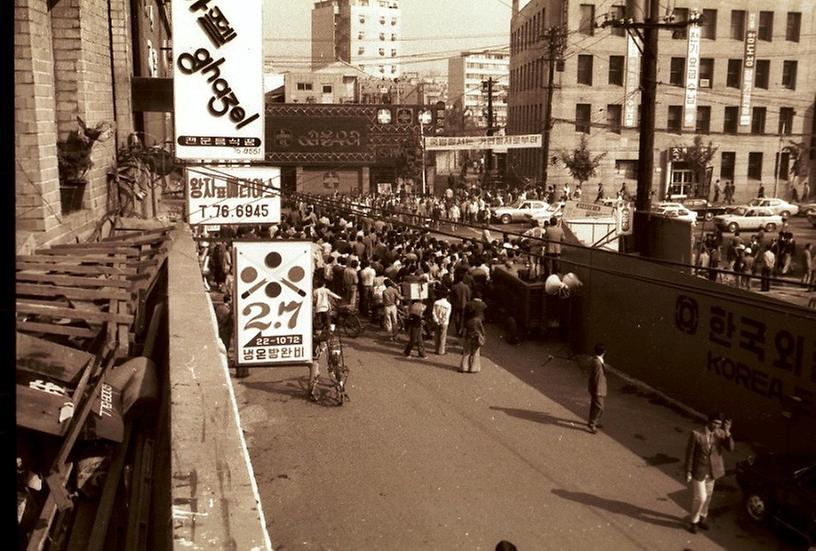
point(337, 82)
point(467, 93)
point(364, 33)
point(749, 119)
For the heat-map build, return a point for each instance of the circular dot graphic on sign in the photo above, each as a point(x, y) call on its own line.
point(273, 260)
point(273, 290)
point(277, 325)
point(296, 273)
point(249, 274)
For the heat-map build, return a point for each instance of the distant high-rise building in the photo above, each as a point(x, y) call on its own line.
point(466, 73)
point(363, 33)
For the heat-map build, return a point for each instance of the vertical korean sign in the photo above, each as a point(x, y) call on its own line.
point(692, 77)
point(748, 68)
point(273, 302)
point(631, 82)
point(218, 79)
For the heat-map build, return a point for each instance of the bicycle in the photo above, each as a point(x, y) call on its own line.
point(347, 319)
point(332, 343)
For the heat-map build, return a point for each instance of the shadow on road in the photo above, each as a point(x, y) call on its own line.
point(542, 417)
point(622, 508)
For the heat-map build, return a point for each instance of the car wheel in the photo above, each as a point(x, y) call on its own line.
point(770, 226)
point(732, 227)
point(757, 506)
point(505, 218)
point(785, 214)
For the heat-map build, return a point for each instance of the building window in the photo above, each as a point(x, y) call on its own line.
point(675, 120)
point(789, 74)
point(382, 51)
point(765, 29)
point(616, 69)
point(393, 21)
point(393, 53)
point(626, 168)
point(304, 86)
point(618, 12)
point(755, 165)
point(586, 24)
point(681, 15)
point(382, 20)
point(393, 69)
point(677, 71)
point(613, 118)
point(703, 119)
point(728, 161)
point(730, 119)
point(361, 35)
point(382, 68)
point(709, 25)
point(360, 50)
point(785, 121)
point(327, 88)
point(582, 117)
point(763, 70)
point(585, 69)
point(758, 120)
point(738, 24)
point(734, 77)
point(782, 168)
point(382, 36)
point(793, 26)
point(393, 38)
point(706, 72)
point(362, 20)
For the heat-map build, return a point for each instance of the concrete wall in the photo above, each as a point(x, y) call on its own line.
point(214, 497)
point(691, 339)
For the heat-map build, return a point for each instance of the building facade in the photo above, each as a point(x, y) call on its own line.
point(468, 96)
point(337, 82)
point(364, 33)
point(594, 95)
point(84, 59)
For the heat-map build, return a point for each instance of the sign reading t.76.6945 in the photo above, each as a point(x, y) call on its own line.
point(233, 195)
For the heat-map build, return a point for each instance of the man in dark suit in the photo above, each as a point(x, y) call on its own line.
point(597, 387)
point(704, 465)
point(460, 296)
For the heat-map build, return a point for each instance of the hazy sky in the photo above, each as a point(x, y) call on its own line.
point(438, 28)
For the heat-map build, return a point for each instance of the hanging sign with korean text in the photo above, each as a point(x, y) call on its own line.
point(748, 69)
point(631, 83)
point(516, 141)
point(218, 79)
point(273, 302)
point(233, 195)
point(692, 77)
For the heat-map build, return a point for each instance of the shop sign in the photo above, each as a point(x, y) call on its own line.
point(440, 143)
point(623, 220)
point(218, 79)
point(233, 195)
point(317, 134)
point(692, 77)
point(748, 69)
point(631, 83)
point(583, 209)
point(273, 302)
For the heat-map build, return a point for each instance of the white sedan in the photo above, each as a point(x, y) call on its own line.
point(777, 206)
point(520, 210)
point(748, 218)
point(555, 210)
point(675, 210)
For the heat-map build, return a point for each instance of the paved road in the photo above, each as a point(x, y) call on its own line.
point(424, 457)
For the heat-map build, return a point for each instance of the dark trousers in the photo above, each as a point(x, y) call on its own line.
point(766, 279)
point(366, 300)
point(458, 316)
point(596, 410)
point(415, 339)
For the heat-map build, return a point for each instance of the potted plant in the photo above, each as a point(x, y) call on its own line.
point(74, 160)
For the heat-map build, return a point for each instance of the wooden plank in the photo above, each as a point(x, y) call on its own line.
point(142, 236)
point(71, 259)
point(73, 313)
point(139, 504)
point(52, 329)
point(73, 280)
point(44, 357)
point(38, 410)
point(96, 541)
point(87, 250)
point(74, 268)
point(70, 292)
point(39, 535)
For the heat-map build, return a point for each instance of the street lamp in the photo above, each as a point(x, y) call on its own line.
point(424, 118)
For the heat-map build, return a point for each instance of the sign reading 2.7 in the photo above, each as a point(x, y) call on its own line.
point(273, 302)
point(218, 84)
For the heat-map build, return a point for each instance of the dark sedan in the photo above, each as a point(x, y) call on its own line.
point(781, 487)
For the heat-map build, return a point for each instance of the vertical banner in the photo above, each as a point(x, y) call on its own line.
point(748, 68)
point(233, 195)
point(692, 77)
point(218, 79)
point(273, 302)
point(631, 82)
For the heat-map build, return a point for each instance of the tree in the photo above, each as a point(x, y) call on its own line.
point(580, 163)
point(798, 159)
point(698, 158)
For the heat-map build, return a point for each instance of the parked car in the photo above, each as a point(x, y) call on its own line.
point(777, 206)
point(812, 219)
point(702, 207)
point(520, 210)
point(556, 210)
point(674, 210)
point(781, 487)
point(807, 208)
point(748, 218)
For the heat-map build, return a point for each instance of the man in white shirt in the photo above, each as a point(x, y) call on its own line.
point(441, 315)
point(367, 274)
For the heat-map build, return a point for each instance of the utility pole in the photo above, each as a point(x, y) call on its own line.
point(487, 85)
point(555, 47)
point(651, 25)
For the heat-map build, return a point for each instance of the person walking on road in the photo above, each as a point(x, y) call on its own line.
point(597, 388)
point(441, 312)
point(414, 326)
point(472, 345)
point(391, 298)
point(460, 295)
point(704, 465)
